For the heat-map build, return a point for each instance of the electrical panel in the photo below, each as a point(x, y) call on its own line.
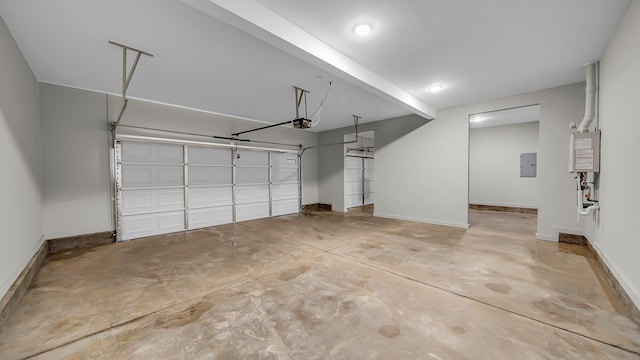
point(528, 164)
point(584, 152)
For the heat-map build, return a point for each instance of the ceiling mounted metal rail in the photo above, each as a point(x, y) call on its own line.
point(300, 122)
point(126, 78)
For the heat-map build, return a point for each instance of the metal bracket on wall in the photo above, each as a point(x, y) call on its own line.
point(126, 78)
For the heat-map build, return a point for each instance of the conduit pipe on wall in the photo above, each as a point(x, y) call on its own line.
point(591, 97)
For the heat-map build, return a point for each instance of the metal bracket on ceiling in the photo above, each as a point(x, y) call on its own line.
point(126, 77)
point(301, 94)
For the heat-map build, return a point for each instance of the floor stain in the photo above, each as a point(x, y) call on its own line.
point(458, 330)
point(293, 273)
point(389, 331)
point(500, 288)
point(184, 317)
point(349, 305)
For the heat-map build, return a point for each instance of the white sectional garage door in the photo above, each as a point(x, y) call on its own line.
point(164, 187)
point(359, 174)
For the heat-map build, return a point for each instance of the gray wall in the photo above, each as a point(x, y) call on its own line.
point(494, 165)
point(76, 151)
point(20, 153)
point(331, 158)
point(614, 232)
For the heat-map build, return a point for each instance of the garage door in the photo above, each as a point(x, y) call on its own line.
point(164, 188)
point(359, 174)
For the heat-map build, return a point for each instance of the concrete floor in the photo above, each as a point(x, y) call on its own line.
point(326, 285)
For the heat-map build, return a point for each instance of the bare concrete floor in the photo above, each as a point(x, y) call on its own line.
point(326, 285)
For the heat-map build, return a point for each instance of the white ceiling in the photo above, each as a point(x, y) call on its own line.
point(513, 116)
point(226, 64)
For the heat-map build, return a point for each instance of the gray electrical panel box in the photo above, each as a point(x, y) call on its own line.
point(584, 152)
point(528, 164)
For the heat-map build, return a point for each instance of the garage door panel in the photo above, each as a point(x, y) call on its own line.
point(134, 175)
point(199, 218)
point(284, 175)
point(146, 201)
point(137, 226)
point(354, 175)
point(284, 160)
point(368, 198)
point(252, 175)
point(210, 175)
point(368, 186)
point(354, 200)
point(284, 191)
point(354, 187)
point(368, 174)
point(283, 207)
point(252, 158)
point(210, 196)
point(207, 155)
point(252, 193)
point(152, 153)
point(353, 162)
point(368, 163)
point(252, 211)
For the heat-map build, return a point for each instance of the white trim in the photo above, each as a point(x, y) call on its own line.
point(424, 221)
point(633, 294)
point(8, 282)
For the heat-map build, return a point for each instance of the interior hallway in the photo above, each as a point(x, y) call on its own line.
point(326, 285)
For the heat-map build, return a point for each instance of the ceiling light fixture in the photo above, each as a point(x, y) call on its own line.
point(362, 29)
point(435, 88)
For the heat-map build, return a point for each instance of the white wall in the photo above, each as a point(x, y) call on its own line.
point(75, 144)
point(615, 234)
point(428, 168)
point(76, 151)
point(20, 185)
point(494, 165)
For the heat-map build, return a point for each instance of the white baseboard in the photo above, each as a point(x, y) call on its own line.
point(425, 221)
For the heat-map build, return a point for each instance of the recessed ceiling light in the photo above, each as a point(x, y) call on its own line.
point(435, 88)
point(362, 29)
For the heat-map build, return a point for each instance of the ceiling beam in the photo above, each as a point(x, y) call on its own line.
point(259, 21)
